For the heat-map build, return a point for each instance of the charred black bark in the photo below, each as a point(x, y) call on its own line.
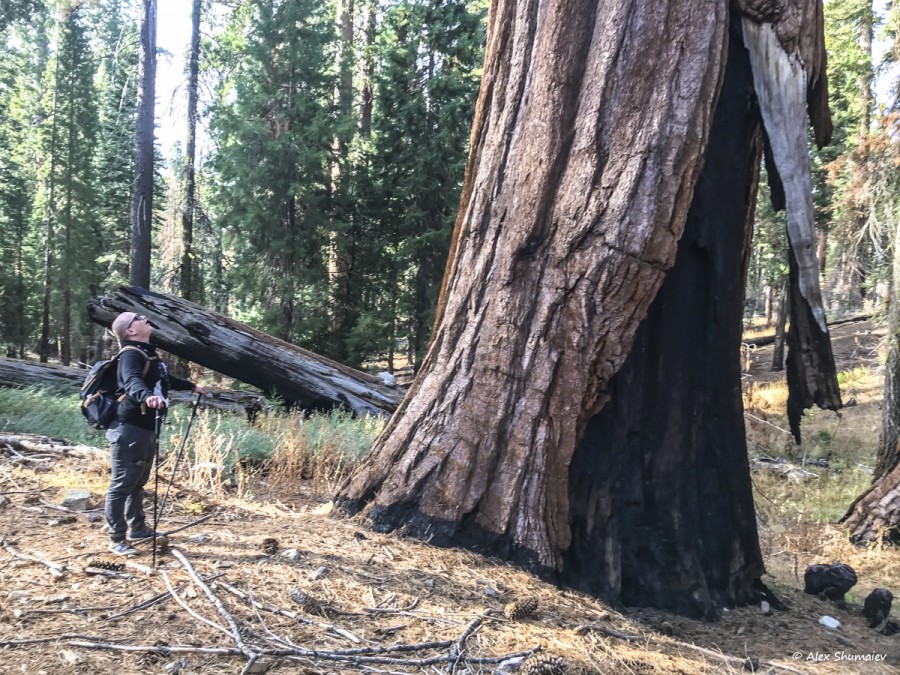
point(661, 505)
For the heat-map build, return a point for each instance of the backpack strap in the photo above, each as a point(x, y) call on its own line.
point(139, 351)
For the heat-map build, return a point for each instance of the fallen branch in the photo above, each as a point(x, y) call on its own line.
point(188, 608)
point(456, 649)
point(235, 632)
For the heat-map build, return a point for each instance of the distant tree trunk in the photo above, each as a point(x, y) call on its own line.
point(783, 311)
point(50, 214)
point(188, 278)
point(888, 451)
point(142, 196)
point(368, 71)
point(66, 343)
point(866, 27)
point(341, 241)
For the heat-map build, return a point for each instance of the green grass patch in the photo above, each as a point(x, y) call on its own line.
point(35, 410)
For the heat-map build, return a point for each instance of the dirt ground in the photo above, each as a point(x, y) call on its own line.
point(363, 591)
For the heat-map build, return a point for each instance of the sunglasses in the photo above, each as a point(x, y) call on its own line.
point(137, 317)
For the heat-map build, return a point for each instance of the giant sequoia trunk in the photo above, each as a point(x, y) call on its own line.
point(567, 227)
point(661, 507)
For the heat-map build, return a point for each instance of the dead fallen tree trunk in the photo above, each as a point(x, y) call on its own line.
point(15, 373)
point(246, 354)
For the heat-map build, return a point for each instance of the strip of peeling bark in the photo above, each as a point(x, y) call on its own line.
point(786, 57)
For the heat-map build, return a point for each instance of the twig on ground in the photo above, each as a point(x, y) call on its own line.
point(162, 597)
point(289, 614)
point(393, 610)
point(611, 632)
point(235, 632)
point(735, 659)
point(55, 569)
point(64, 509)
point(73, 610)
point(174, 593)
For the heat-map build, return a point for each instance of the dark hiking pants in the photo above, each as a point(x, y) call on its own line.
point(131, 458)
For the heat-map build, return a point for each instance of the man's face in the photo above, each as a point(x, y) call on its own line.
point(138, 328)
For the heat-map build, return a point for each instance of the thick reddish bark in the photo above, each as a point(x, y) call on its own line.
point(587, 143)
point(576, 192)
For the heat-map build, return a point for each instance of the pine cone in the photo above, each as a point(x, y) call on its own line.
point(269, 546)
point(106, 565)
point(521, 609)
point(544, 664)
point(307, 602)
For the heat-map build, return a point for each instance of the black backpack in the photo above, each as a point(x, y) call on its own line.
point(98, 393)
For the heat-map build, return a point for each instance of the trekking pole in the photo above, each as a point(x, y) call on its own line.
point(179, 455)
point(156, 481)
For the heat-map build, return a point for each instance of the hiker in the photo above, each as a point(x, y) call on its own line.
point(144, 384)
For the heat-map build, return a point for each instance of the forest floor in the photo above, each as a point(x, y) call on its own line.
point(365, 591)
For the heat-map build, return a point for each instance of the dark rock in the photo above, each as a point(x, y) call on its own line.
point(830, 581)
point(877, 606)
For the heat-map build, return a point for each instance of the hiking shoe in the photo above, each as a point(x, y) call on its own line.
point(122, 548)
point(138, 535)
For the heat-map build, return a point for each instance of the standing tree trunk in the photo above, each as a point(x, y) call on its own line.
point(588, 138)
point(566, 229)
point(188, 275)
point(50, 212)
point(783, 311)
point(142, 196)
point(876, 512)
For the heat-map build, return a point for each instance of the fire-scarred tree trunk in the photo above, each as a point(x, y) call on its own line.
point(589, 134)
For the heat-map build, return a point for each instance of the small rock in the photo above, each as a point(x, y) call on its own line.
point(223, 564)
point(491, 592)
point(259, 667)
point(77, 499)
point(318, 573)
point(387, 379)
point(667, 628)
point(291, 554)
point(830, 622)
point(17, 595)
point(751, 664)
point(94, 517)
point(4, 500)
point(766, 608)
point(190, 593)
point(58, 598)
point(70, 657)
point(199, 538)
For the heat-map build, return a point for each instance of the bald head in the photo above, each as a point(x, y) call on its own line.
point(121, 323)
point(131, 326)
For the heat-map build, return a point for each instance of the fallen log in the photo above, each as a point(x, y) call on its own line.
point(15, 373)
point(278, 368)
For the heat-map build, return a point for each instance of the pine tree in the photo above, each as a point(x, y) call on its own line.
point(273, 129)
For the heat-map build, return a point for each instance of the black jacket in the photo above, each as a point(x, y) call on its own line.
point(137, 387)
